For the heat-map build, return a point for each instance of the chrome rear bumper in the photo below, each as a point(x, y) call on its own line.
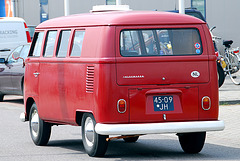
point(159, 128)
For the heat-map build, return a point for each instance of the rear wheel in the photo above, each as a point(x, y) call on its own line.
point(192, 142)
point(94, 144)
point(40, 131)
point(131, 139)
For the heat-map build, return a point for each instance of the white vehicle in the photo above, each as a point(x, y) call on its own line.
point(13, 32)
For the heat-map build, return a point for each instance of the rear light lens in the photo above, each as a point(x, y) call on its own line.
point(236, 51)
point(121, 106)
point(216, 53)
point(206, 103)
point(27, 33)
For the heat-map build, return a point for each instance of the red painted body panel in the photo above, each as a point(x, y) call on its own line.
point(63, 87)
point(185, 104)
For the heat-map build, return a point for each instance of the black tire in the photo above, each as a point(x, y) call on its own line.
point(1, 97)
point(131, 139)
point(221, 75)
point(94, 144)
point(192, 142)
point(40, 131)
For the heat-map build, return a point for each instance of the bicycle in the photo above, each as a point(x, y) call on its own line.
point(230, 62)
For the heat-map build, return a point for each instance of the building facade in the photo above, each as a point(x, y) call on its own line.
point(220, 13)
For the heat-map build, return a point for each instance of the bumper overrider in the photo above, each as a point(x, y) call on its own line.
point(159, 128)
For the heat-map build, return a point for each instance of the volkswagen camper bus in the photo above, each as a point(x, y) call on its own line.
point(120, 75)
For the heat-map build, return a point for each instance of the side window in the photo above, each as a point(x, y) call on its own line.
point(50, 42)
point(63, 43)
point(77, 43)
point(36, 44)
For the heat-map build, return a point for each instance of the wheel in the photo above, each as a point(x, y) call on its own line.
point(40, 131)
point(94, 144)
point(131, 139)
point(192, 142)
point(221, 75)
point(1, 97)
point(233, 69)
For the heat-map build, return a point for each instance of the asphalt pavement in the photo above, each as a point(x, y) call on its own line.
point(66, 144)
point(229, 93)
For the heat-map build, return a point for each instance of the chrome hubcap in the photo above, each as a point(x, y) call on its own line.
point(35, 123)
point(89, 131)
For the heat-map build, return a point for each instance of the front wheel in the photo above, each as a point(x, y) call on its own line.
point(235, 76)
point(192, 142)
point(94, 144)
point(40, 131)
point(233, 68)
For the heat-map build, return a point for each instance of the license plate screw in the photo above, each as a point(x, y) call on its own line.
point(164, 117)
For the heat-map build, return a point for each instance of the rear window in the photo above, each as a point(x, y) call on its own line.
point(160, 42)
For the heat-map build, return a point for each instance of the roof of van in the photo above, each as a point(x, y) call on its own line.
point(116, 18)
point(12, 19)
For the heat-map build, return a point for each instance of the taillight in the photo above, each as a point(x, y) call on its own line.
point(27, 33)
point(216, 53)
point(121, 106)
point(236, 51)
point(206, 103)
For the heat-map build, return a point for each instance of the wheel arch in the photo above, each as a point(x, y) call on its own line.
point(79, 115)
point(29, 104)
point(22, 85)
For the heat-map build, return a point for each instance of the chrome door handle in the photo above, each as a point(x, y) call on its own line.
point(36, 74)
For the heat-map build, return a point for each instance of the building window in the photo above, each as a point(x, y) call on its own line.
point(200, 5)
point(110, 2)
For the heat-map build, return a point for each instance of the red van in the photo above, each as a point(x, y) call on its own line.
point(123, 74)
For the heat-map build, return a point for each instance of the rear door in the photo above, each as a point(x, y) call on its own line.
point(172, 60)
